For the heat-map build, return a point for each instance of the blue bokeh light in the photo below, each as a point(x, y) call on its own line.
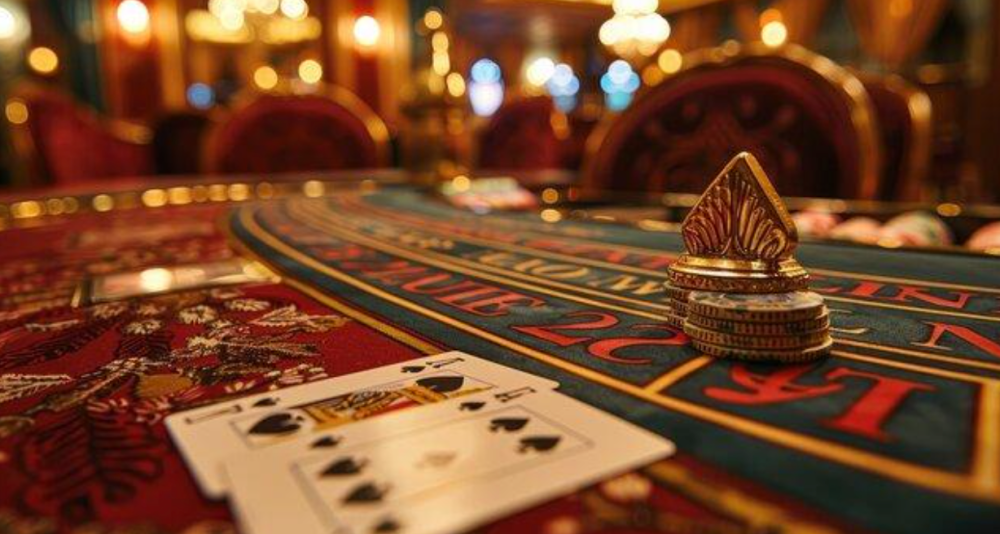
point(200, 95)
point(485, 70)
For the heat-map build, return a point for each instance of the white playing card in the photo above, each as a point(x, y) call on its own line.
point(207, 435)
point(459, 471)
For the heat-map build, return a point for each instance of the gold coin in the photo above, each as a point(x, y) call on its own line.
point(768, 308)
point(760, 329)
point(787, 356)
point(795, 341)
point(679, 307)
point(675, 320)
point(676, 293)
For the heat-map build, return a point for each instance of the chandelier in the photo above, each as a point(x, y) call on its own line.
point(635, 30)
point(274, 22)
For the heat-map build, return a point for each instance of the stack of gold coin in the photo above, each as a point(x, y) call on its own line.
point(677, 299)
point(788, 327)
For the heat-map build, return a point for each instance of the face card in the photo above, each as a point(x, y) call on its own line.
point(451, 474)
point(207, 435)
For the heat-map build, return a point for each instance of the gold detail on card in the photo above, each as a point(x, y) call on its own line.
point(739, 236)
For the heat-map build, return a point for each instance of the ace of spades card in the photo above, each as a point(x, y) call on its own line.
point(207, 435)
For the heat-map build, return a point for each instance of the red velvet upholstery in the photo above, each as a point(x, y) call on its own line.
point(177, 142)
point(66, 144)
point(807, 132)
point(287, 133)
point(904, 117)
point(520, 136)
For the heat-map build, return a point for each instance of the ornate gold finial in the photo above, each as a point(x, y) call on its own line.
point(739, 236)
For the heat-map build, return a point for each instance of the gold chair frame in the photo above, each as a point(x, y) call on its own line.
point(920, 143)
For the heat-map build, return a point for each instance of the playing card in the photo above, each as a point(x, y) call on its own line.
point(208, 434)
point(462, 469)
point(157, 280)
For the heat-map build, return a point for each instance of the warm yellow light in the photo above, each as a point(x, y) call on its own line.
point(770, 15)
point(231, 18)
point(133, 16)
point(16, 111)
point(456, 84)
point(439, 42)
point(461, 183)
point(267, 7)
point(433, 19)
point(154, 198)
point(43, 60)
point(103, 202)
point(670, 61)
point(8, 23)
point(313, 189)
point(265, 77)
point(366, 31)
point(540, 71)
point(294, 9)
point(774, 33)
point(310, 71)
point(550, 215)
point(440, 63)
point(156, 279)
point(652, 75)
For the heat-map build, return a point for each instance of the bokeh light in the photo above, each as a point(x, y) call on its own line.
point(670, 61)
point(366, 31)
point(440, 63)
point(563, 85)
point(200, 95)
point(456, 84)
point(133, 16)
point(8, 23)
point(294, 9)
point(16, 111)
point(485, 87)
point(433, 19)
point(619, 83)
point(774, 33)
point(43, 60)
point(267, 7)
point(539, 71)
point(485, 70)
point(310, 71)
point(265, 77)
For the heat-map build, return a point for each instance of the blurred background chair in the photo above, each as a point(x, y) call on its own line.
point(524, 134)
point(809, 121)
point(177, 141)
point(62, 142)
point(330, 129)
point(904, 117)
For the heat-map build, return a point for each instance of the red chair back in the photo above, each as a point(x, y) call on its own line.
point(808, 122)
point(287, 133)
point(904, 118)
point(65, 143)
point(521, 136)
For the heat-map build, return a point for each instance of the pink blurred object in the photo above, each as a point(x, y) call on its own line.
point(860, 229)
point(815, 223)
point(985, 238)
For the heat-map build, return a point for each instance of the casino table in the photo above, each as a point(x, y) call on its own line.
point(898, 430)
